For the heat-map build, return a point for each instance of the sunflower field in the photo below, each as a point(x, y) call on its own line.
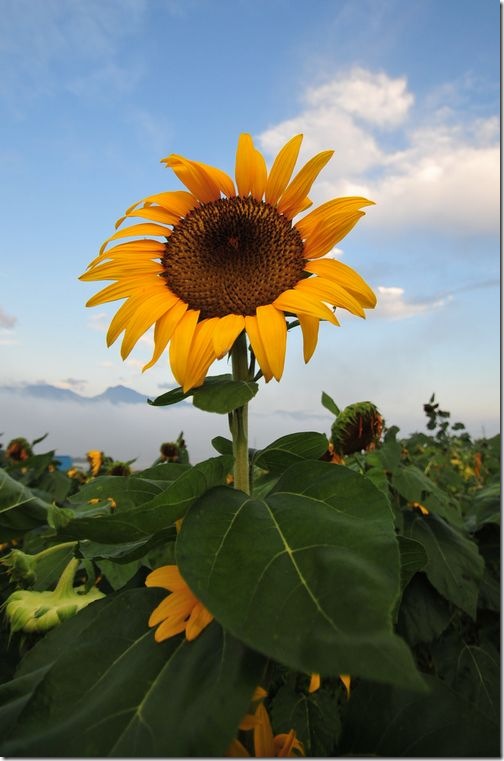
point(346, 603)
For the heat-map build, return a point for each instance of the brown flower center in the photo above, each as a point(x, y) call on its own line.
point(231, 256)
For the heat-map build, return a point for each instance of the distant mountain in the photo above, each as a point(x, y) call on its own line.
point(114, 395)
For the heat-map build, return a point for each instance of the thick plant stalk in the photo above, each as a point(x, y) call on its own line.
point(239, 417)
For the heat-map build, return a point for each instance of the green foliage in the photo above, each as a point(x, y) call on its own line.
point(385, 567)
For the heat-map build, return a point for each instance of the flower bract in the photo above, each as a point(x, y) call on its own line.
point(224, 257)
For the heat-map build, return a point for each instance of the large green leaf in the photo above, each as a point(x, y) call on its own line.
point(117, 692)
point(308, 575)
point(386, 721)
point(454, 566)
point(157, 513)
point(478, 678)
point(20, 509)
point(423, 614)
point(315, 717)
point(290, 449)
point(219, 393)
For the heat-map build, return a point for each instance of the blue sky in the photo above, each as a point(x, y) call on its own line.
point(95, 92)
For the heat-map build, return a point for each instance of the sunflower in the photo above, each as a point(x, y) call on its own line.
point(230, 259)
point(180, 611)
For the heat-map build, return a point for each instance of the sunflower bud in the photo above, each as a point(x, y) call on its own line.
point(21, 567)
point(357, 427)
point(40, 611)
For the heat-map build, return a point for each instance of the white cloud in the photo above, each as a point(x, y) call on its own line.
point(392, 304)
point(376, 98)
point(436, 173)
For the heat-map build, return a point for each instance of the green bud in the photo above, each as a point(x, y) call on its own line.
point(20, 566)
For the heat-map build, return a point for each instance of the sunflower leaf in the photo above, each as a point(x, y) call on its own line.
point(308, 575)
point(100, 685)
point(223, 394)
point(20, 509)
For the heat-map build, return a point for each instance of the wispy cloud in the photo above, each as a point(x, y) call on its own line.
point(393, 304)
point(444, 175)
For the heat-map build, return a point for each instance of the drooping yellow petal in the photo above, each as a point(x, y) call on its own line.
point(167, 577)
point(310, 330)
point(257, 346)
point(341, 273)
point(273, 332)
point(292, 200)
point(199, 618)
point(299, 302)
point(282, 169)
point(165, 327)
point(204, 181)
point(250, 171)
point(331, 292)
point(145, 316)
point(225, 333)
point(180, 345)
point(121, 317)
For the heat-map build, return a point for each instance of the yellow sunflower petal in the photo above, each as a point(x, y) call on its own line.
point(263, 734)
point(347, 681)
point(176, 606)
point(314, 683)
point(180, 345)
point(310, 330)
point(292, 200)
point(117, 270)
point(325, 236)
point(179, 202)
point(169, 628)
point(225, 333)
point(146, 228)
point(201, 354)
point(336, 209)
point(338, 272)
point(165, 327)
point(145, 316)
point(250, 172)
point(298, 302)
point(153, 213)
point(237, 750)
point(120, 290)
point(282, 169)
point(257, 346)
point(331, 292)
point(120, 319)
point(204, 181)
point(167, 577)
point(273, 332)
point(199, 618)
point(286, 743)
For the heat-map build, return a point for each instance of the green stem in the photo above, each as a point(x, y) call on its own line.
point(66, 580)
point(54, 548)
point(239, 417)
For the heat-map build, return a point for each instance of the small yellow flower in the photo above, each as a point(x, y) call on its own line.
point(266, 745)
point(180, 611)
point(95, 459)
point(417, 506)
